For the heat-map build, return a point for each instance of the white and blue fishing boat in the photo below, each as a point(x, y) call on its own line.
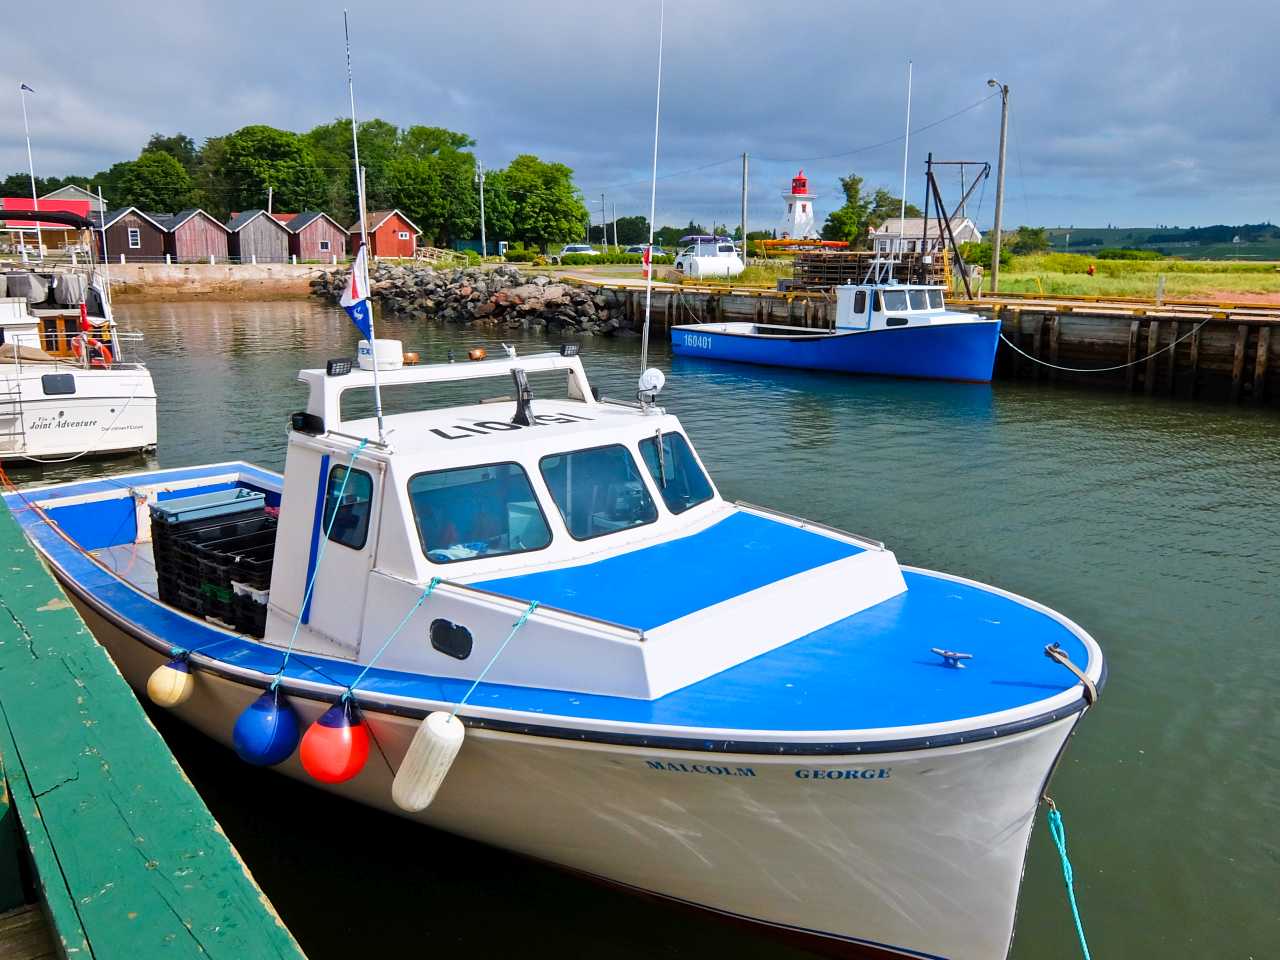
point(881, 328)
point(703, 700)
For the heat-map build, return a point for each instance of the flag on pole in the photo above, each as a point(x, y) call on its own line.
point(645, 260)
point(355, 298)
point(26, 88)
point(85, 325)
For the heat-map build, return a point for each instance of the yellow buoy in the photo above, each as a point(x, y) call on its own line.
point(427, 761)
point(171, 684)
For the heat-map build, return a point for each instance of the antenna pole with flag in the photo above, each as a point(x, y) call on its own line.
point(356, 297)
point(653, 204)
point(23, 90)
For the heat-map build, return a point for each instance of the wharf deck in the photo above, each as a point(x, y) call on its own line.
point(98, 824)
point(25, 935)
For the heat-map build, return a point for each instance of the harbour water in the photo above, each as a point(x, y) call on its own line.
point(1153, 523)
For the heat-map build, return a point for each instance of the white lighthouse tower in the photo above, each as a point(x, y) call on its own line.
point(799, 220)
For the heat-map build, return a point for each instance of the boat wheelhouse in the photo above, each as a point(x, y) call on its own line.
point(881, 328)
point(708, 701)
point(66, 387)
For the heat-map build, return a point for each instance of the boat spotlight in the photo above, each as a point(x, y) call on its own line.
point(651, 384)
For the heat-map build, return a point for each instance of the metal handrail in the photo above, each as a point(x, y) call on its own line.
point(875, 544)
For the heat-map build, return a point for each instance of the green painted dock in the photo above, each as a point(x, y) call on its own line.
point(106, 849)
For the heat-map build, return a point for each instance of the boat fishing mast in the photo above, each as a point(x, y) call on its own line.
point(653, 203)
point(362, 261)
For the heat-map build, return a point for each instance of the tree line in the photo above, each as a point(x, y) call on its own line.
point(429, 173)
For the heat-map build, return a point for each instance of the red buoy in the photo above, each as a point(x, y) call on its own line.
point(334, 748)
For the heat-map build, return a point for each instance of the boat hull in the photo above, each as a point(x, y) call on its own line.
point(943, 351)
point(910, 853)
point(110, 412)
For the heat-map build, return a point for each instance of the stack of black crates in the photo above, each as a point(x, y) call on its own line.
point(213, 556)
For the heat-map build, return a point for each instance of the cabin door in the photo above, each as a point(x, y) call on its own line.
point(350, 518)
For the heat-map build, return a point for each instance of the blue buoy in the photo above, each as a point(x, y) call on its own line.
point(267, 732)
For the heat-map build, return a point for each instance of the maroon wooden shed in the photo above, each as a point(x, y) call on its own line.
point(316, 236)
point(132, 234)
point(192, 236)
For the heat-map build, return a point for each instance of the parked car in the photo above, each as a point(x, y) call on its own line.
point(584, 248)
point(639, 248)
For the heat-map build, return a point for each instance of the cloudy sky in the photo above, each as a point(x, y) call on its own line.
point(1132, 113)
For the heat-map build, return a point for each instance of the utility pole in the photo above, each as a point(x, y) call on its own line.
point(613, 209)
point(1004, 131)
point(744, 207)
point(270, 197)
point(604, 225)
point(484, 243)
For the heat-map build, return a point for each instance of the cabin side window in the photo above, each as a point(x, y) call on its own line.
point(135, 238)
point(895, 299)
point(919, 299)
point(678, 477)
point(598, 491)
point(935, 299)
point(860, 302)
point(470, 512)
point(348, 521)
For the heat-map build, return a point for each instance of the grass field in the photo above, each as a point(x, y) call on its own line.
point(1066, 274)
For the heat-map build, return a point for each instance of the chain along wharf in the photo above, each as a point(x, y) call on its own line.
point(1183, 348)
point(106, 849)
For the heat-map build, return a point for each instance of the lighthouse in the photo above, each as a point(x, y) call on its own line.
point(799, 220)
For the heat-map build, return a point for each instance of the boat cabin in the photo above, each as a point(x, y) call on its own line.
point(542, 493)
point(874, 306)
point(47, 302)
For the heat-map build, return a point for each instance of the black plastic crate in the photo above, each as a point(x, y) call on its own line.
point(249, 616)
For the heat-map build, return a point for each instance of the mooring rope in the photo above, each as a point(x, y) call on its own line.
point(315, 572)
point(494, 659)
point(1059, 834)
point(1122, 366)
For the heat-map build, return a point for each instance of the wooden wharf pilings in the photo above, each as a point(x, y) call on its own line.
point(99, 827)
point(1224, 351)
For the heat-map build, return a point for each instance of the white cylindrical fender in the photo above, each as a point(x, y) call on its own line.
point(171, 684)
point(427, 761)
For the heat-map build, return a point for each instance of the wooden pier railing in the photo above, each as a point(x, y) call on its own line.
point(99, 826)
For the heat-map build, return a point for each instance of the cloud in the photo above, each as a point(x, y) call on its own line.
point(1127, 113)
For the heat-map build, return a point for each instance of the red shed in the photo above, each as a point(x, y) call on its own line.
point(391, 234)
point(316, 236)
point(192, 236)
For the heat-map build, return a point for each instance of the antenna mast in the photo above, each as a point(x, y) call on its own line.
point(906, 150)
point(364, 231)
point(653, 201)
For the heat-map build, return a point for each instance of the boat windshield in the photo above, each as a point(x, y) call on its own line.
point(676, 472)
point(895, 300)
point(935, 299)
point(471, 512)
point(919, 299)
point(598, 491)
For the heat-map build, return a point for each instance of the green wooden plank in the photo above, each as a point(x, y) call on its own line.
point(109, 815)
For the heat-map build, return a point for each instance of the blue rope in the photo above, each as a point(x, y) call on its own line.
point(394, 633)
point(311, 583)
point(1059, 834)
point(494, 659)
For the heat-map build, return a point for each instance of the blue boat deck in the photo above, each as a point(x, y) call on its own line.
point(873, 670)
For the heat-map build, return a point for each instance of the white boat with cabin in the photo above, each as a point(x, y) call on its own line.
point(705, 256)
point(707, 701)
point(66, 388)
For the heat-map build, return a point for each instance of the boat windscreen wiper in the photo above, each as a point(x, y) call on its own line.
point(524, 398)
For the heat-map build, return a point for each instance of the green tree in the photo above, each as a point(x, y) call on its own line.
point(547, 206)
point(848, 222)
point(155, 182)
point(633, 230)
point(1027, 240)
point(259, 158)
point(861, 213)
point(179, 146)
